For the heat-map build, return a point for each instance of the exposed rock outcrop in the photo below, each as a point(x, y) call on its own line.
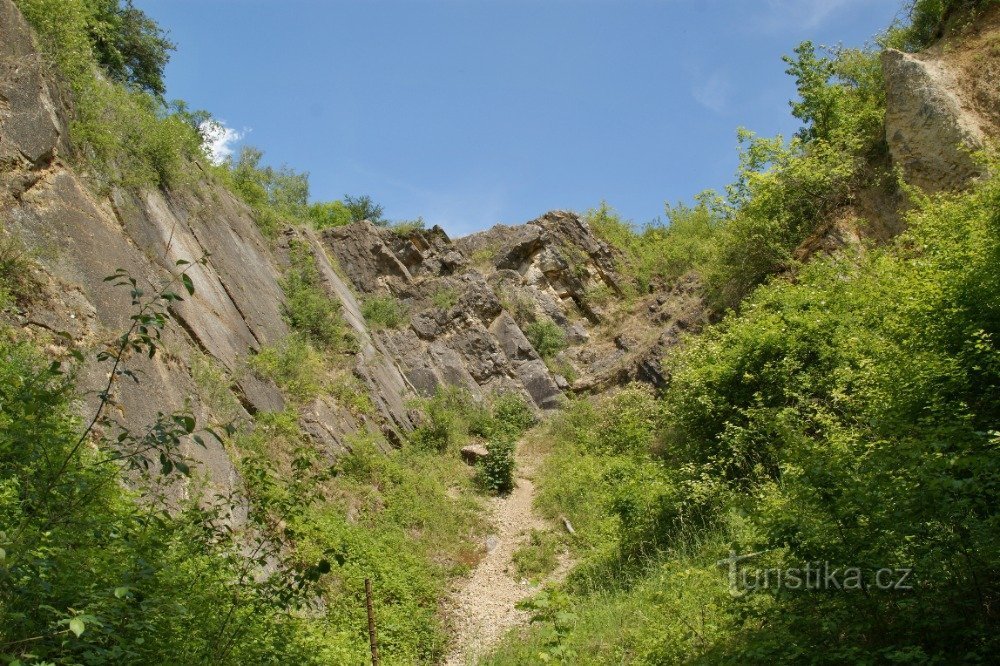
point(929, 128)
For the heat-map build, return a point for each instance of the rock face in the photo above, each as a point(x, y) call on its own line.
point(469, 301)
point(929, 128)
point(81, 237)
point(459, 296)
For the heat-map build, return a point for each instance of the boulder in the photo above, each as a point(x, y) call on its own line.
point(473, 454)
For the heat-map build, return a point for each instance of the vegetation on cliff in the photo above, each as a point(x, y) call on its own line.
point(841, 415)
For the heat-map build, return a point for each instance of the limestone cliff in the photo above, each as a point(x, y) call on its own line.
point(469, 301)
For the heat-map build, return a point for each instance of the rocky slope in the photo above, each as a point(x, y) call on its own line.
point(78, 236)
point(469, 301)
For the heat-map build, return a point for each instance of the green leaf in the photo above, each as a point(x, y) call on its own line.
point(188, 283)
point(121, 592)
point(77, 626)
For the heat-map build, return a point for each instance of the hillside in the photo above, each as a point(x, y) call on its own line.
point(224, 408)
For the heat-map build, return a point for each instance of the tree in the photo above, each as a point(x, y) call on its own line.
point(363, 208)
point(129, 45)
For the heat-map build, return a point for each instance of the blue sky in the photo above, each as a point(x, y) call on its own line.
point(473, 112)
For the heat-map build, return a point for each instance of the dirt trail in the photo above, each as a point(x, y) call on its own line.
point(481, 608)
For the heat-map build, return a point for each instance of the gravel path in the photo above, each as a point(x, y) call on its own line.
point(481, 609)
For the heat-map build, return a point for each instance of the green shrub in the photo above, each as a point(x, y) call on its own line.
point(276, 196)
point(329, 214)
point(445, 298)
point(658, 254)
point(497, 469)
point(546, 337)
point(929, 19)
point(16, 278)
point(129, 46)
point(126, 134)
point(215, 387)
point(512, 414)
point(447, 417)
point(363, 208)
point(383, 312)
point(308, 307)
point(294, 365)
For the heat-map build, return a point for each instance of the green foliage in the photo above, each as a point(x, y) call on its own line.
point(496, 471)
point(124, 132)
point(511, 414)
point(294, 365)
point(451, 416)
point(275, 196)
point(17, 284)
point(329, 214)
point(94, 573)
point(445, 298)
point(849, 417)
point(384, 312)
point(448, 417)
point(546, 337)
point(129, 46)
point(506, 420)
point(308, 308)
point(363, 208)
point(784, 190)
point(659, 254)
point(215, 387)
point(929, 19)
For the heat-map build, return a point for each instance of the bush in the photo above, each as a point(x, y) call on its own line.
point(276, 196)
point(511, 414)
point(329, 214)
point(383, 312)
point(658, 254)
point(294, 366)
point(407, 227)
point(447, 418)
point(308, 308)
point(17, 283)
point(546, 337)
point(444, 298)
point(363, 208)
point(929, 19)
point(496, 471)
point(129, 46)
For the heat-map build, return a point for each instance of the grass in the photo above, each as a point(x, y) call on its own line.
point(309, 309)
point(546, 337)
point(445, 298)
point(382, 312)
point(295, 366)
point(539, 556)
point(215, 387)
point(416, 504)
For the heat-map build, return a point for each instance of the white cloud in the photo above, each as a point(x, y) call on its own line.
point(220, 140)
point(713, 91)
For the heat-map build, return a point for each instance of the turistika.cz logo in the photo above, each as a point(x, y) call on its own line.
point(812, 576)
